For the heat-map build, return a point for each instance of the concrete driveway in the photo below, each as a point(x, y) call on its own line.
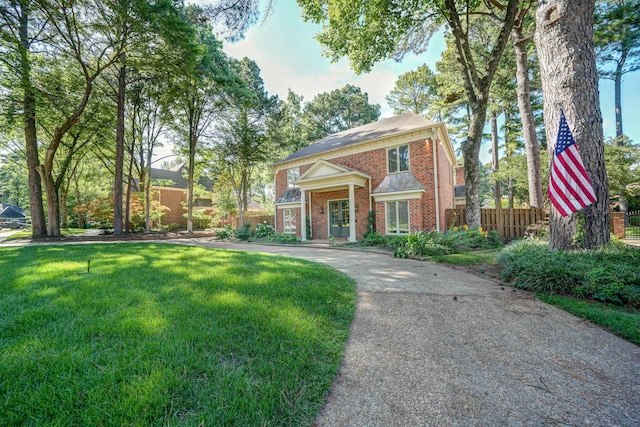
point(432, 346)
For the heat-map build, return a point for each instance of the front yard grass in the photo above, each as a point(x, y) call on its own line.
point(26, 234)
point(161, 334)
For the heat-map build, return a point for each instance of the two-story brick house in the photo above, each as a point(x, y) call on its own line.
point(402, 168)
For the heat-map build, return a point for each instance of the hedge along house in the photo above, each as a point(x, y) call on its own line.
point(402, 168)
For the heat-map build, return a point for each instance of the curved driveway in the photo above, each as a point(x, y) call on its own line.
point(432, 346)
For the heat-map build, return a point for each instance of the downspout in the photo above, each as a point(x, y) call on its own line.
point(370, 197)
point(275, 208)
point(435, 183)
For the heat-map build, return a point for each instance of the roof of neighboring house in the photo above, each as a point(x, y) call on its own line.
point(11, 212)
point(291, 195)
point(398, 182)
point(382, 128)
point(175, 174)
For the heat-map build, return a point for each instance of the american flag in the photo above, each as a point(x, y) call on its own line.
point(570, 188)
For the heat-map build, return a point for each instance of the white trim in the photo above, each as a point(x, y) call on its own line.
point(398, 195)
point(408, 145)
point(435, 184)
point(284, 221)
point(288, 205)
point(386, 217)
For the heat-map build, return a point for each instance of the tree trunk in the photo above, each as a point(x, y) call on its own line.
point(129, 183)
point(81, 218)
point(192, 161)
point(147, 194)
point(119, 164)
point(38, 225)
point(471, 153)
point(564, 38)
point(618, 97)
point(523, 90)
point(495, 159)
point(64, 211)
point(53, 208)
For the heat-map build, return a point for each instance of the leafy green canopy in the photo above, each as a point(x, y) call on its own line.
point(369, 31)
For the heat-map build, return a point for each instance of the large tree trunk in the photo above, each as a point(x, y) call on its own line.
point(53, 208)
point(119, 165)
point(564, 38)
point(64, 210)
point(471, 153)
point(38, 225)
point(523, 90)
point(192, 161)
point(495, 159)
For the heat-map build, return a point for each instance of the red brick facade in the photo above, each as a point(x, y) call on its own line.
point(423, 213)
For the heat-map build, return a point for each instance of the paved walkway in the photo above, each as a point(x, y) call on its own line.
point(432, 346)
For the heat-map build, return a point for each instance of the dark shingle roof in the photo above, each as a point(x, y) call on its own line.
point(398, 182)
point(11, 213)
point(382, 128)
point(175, 175)
point(292, 195)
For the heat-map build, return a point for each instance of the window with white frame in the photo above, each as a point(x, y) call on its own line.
point(398, 159)
point(289, 223)
point(398, 217)
point(292, 176)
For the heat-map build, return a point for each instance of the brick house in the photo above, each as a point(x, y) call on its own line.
point(402, 167)
point(169, 189)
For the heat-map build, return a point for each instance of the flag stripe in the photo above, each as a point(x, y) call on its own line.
point(570, 188)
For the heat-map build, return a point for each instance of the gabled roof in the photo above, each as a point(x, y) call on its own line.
point(381, 129)
point(11, 213)
point(175, 174)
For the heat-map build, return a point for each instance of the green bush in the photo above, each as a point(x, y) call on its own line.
point(282, 238)
point(264, 230)
point(244, 233)
point(376, 239)
point(224, 232)
point(610, 275)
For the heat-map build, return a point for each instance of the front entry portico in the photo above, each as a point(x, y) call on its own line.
point(324, 177)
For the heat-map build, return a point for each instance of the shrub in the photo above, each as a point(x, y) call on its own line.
point(224, 232)
point(376, 239)
point(244, 233)
point(173, 226)
point(264, 230)
point(609, 275)
point(282, 238)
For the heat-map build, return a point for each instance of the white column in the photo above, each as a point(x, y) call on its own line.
point(303, 215)
point(352, 214)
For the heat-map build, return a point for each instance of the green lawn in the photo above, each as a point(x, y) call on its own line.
point(26, 234)
point(166, 335)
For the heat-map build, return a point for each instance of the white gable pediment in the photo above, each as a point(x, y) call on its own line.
point(323, 169)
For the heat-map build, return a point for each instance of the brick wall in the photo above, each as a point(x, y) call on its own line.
point(374, 164)
point(617, 224)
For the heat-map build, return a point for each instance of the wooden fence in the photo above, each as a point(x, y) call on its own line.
point(509, 223)
point(254, 220)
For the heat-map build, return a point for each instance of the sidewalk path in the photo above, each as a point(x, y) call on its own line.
point(433, 346)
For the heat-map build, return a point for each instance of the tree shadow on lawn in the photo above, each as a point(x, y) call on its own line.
point(167, 333)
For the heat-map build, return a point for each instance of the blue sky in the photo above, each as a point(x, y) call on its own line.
point(289, 57)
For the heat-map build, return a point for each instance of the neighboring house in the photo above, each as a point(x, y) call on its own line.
point(403, 168)
point(11, 214)
point(169, 188)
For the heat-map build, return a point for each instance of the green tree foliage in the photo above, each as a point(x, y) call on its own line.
point(416, 91)
point(245, 132)
point(617, 38)
point(13, 181)
point(367, 32)
point(622, 160)
point(339, 110)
